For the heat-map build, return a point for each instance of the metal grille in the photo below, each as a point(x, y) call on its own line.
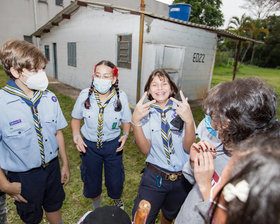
point(124, 51)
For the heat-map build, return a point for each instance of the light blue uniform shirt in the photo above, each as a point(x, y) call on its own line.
point(151, 125)
point(205, 135)
point(19, 148)
point(111, 118)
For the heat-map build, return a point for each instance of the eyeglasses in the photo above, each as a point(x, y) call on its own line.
point(103, 76)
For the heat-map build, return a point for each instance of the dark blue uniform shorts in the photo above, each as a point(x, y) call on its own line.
point(41, 187)
point(92, 167)
point(169, 197)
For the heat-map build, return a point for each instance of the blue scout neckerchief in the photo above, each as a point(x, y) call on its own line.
point(100, 115)
point(165, 130)
point(12, 88)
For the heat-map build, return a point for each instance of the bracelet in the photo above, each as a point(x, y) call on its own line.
point(136, 125)
point(124, 134)
point(75, 134)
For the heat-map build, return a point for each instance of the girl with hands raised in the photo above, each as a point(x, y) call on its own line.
point(164, 130)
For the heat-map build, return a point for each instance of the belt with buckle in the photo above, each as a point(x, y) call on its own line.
point(165, 175)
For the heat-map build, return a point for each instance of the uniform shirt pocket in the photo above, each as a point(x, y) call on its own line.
point(113, 120)
point(19, 138)
point(155, 132)
point(50, 123)
point(90, 119)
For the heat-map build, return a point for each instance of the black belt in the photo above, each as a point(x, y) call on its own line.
point(165, 175)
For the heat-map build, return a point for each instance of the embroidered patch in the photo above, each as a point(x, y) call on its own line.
point(114, 125)
point(15, 122)
point(54, 99)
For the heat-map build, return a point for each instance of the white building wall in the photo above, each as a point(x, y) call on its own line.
point(199, 56)
point(152, 6)
point(95, 33)
point(23, 17)
point(18, 17)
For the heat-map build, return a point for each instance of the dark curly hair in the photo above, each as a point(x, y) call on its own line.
point(258, 163)
point(241, 108)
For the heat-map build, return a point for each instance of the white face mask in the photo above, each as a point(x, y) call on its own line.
point(37, 81)
point(102, 85)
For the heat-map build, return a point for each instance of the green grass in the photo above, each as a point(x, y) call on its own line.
point(75, 204)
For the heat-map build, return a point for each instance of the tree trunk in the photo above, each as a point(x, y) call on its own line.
point(253, 54)
point(243, 57)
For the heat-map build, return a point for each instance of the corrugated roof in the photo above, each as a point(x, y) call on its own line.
point(69, 10)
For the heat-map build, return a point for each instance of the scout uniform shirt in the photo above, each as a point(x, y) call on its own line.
point(19, 148)
point(151, 125)
point(112, 119)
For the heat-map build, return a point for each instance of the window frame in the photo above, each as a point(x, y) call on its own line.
point(47, 51)
point(72, 54)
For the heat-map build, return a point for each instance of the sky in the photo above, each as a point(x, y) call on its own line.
point(230, 8)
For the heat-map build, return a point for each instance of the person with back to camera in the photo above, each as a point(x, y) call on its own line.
point(238, 109)
point(103, 108)
point(248, 191)
point(31, 136)
point(164, 130)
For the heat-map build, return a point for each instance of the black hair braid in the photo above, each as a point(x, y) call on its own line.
point(119, 104)
point(87, 102)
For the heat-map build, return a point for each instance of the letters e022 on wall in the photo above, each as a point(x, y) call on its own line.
point(198, 57)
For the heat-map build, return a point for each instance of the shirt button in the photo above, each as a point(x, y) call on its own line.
point(19, 132)
point(50, 152)
point(46, 140)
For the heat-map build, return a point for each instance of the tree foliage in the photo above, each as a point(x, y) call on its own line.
point(261, 9)
point(207, 12)
point(268, 54)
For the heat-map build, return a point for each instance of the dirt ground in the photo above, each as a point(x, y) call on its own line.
point(64, 88)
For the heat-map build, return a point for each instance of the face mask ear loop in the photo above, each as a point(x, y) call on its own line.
point(22, 80)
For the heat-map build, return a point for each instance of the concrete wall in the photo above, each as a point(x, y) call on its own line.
point(187, 53)
point(95, 33)
point(23, 17)
point(18, 17)
point(199, 46)
point(153, 6)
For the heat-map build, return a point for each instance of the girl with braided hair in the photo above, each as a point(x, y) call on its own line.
point(104, 108)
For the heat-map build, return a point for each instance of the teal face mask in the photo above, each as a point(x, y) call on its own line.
point(209, 127)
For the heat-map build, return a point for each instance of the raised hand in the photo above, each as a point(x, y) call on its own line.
point(183, 109)
point(141, 110)
point(200, 147)
point(203, 172)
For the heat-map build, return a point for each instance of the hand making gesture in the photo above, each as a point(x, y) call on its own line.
point(200, 147)
point(183, 109)
point(141, 110)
